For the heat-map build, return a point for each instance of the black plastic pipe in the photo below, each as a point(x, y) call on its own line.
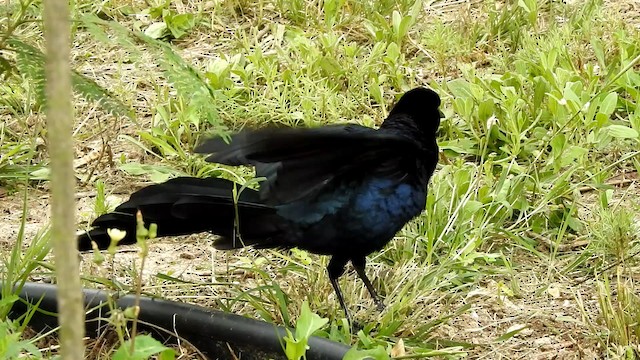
point(218, 335)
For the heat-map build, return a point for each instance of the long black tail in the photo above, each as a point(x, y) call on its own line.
point(186, 205)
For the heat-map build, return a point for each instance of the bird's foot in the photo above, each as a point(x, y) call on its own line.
point(380, 305)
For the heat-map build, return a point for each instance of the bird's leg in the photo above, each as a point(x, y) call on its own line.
point(335, 270)
point(359, 265)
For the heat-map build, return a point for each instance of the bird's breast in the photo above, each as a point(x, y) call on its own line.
point(354, 219)
point(383, 207)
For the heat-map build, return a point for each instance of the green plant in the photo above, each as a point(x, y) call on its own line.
point(11, 347)
point(295, 345)
point(22, 260)
point(619, 306)
point(23, 74)
point(144, 347)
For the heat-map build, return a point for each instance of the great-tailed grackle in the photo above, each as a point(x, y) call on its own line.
point(341, 190)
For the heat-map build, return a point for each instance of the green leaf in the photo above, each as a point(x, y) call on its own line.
point(523, 5)
point(377, 353)
point(331, 10)
point(540, 91)
point(157, 30)
point(609, 103)
point(598, 50)
point(145, 347)
point(376, 93)
point(294, 349)
point(396, 20)
point(557, 144)
point(459, 88)
point(461, 146)
point(9, 300)
point(573, 153)
point(393, 52)
point(90, 90)
point(179, 24)
point(621, 132)
point(308, 323)
point(405, 24)
point(512, 333)
point(40, 174)
point(486, 109)
point(156, 173)
point(329, 65)
point(31, 63)
point(472, 206)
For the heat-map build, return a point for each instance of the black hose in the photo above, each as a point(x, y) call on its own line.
point(214, 333)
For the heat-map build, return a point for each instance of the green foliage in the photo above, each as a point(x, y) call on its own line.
point(172, 25)
point(620, 312)
point(614, 232)
point(18, 264)
point(377, 353)
point(11, 345)
point(30, 63)
point(23, 87)
point(18, 153)
point(308, 323)
point(179, 120)
point(145, 347)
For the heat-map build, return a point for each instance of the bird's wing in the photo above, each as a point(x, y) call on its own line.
point(300, 162)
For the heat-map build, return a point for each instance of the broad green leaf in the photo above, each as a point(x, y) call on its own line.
point(179, 24)
point(486, 109)
point(396, 20)
point(609, 103)
point(9, 300)
point(294, 348)
point(523, 5)
point(472, 206)
point(572, 154)
point(393, 52)
point(570, 94)
point(598, 50)
point(330, 65)
point(621, 132)
point(145, 347)
point(157, 30)
point(459, 88)
point(557, 144)
point(156, 173)
point(541, 89)
point(461, 146)
point(405, 23)
point(308, 323)
point(377, 353)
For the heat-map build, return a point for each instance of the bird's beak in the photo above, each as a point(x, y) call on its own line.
point(441, 114)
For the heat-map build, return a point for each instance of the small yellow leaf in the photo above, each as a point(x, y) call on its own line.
point(398, 349)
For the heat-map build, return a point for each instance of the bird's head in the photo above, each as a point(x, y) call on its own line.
point(421, 104)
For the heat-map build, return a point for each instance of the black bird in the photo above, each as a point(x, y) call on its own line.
point(341, 190)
